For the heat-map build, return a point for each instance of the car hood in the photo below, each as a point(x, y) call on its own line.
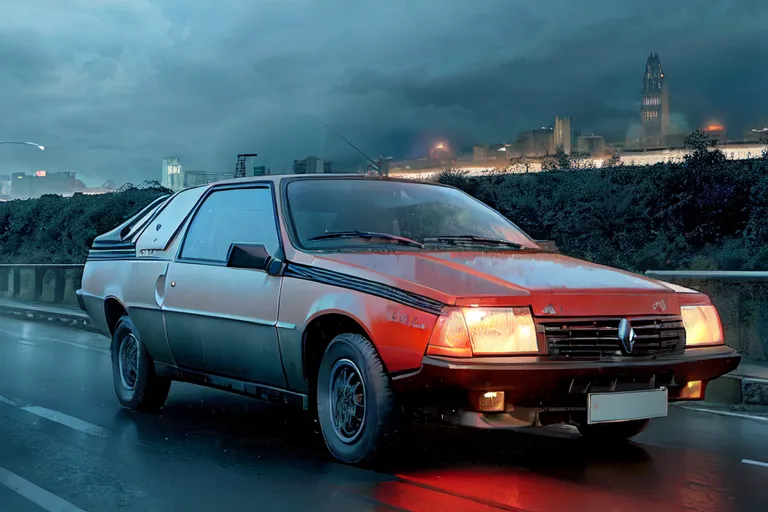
point(553, 283)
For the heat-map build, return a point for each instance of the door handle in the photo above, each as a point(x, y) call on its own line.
point(160, 288)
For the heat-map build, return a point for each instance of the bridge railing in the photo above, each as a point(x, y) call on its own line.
point(741, 299)
point(41, 282)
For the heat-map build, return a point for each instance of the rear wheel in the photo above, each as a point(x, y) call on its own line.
point(136, 384)
point(613, 432)
point(356, 408)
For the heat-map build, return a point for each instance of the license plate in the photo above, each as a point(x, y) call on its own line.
point(625, 406)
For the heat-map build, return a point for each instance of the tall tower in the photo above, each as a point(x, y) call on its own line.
point(563, 135)
point(654, 110)
point(173, 176)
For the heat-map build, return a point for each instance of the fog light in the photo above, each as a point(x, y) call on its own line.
point(691, 390)
point(491, 401)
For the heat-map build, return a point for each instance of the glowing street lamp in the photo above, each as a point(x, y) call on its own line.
point(38, 146)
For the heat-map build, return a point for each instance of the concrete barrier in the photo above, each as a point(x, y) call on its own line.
point(47, 283)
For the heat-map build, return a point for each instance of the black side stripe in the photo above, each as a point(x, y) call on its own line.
point(365, 286)
point(111, 254)
point(110, 244)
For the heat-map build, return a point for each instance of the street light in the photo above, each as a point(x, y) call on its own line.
point(38, 146)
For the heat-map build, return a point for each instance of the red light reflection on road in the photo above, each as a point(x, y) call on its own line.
point(511, 489)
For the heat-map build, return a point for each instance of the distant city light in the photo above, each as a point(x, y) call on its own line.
point(41, 173)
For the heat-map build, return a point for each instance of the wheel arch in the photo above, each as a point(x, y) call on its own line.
point(114, 309)
point(321, 328)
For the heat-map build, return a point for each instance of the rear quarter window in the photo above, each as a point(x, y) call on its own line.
point(161, 230)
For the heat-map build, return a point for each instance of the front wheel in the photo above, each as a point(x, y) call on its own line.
point(356, 408)
point(136, 383)
point(613, 432)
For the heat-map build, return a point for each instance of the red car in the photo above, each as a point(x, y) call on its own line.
point(365, 299)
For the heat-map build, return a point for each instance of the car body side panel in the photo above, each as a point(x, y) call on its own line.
point(223, 320)
point(400, 333)
point(132, 283)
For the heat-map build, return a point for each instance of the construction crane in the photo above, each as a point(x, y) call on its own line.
point(240, 166)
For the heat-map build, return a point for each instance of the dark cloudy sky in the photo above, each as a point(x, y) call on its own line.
point(110, 87)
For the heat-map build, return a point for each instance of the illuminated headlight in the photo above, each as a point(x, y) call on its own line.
point(702, 326)
point(484, 331)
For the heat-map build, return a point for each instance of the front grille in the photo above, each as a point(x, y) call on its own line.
point(599, 337)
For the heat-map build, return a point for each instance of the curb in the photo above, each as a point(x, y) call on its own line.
point(73, 320)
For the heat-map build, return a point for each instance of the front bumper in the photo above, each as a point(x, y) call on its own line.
point(536, 382)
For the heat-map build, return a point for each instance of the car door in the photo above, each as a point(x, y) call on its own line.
point(231, 311)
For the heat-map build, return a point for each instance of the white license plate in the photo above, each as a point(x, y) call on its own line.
point(630, 405)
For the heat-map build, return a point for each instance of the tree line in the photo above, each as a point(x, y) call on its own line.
point(704, 213)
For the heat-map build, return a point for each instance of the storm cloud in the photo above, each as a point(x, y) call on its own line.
point(110, 87)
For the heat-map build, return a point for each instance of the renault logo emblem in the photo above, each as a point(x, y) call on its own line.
point(626, 336)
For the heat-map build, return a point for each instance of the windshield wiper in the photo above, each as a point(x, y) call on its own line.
point(472, 240)
point(369, 235)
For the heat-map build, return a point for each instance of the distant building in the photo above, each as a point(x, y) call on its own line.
point(480, 153)
point(43, 182)
point(654, 108)
point(593, 145)
point(311, 165)
point(756, 134)
point(563, 135)
point(195, 178)
point(535, 143)
point(172, 177)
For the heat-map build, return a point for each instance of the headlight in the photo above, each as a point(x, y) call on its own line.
point(702, 326)
point(484, 331)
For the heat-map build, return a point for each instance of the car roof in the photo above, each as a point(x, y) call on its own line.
point(277, 178)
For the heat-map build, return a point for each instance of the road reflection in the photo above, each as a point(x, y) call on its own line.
point(442, 468)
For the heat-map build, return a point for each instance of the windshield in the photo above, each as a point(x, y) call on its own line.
point(413, 210)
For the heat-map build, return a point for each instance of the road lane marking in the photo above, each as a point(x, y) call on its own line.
point(725, 413)
point(67, 420)
point(36, 494)
point(755, 463)
point(58, 417)
point(81, 345)
point(8, 401)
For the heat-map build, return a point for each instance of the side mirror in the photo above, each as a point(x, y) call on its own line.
point(548, 246)
point(254, 257)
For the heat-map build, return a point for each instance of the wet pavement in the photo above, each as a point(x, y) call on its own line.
point(65, 444)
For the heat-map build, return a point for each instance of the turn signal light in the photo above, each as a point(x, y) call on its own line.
point(702, 326)
point(692, 390)
point(491, 401)
point(450, 336)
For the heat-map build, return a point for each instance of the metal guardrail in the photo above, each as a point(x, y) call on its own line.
point(709, 275)
point(10, 278)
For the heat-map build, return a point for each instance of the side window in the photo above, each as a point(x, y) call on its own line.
point(227, 216)
point(160, 231)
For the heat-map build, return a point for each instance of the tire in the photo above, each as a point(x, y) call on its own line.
point(378, 419)
point(141, 389)
point(613, 432)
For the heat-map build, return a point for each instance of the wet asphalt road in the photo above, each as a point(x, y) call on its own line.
point(65, 442)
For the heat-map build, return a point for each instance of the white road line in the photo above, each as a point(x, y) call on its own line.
point(755, 463)
point(81, 345)
point(725, 413)
point(66, 420)
point(36, 494)
point(8, 401)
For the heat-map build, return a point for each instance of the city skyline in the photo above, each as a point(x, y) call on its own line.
point(112, 96)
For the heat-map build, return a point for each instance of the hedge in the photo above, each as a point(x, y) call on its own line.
point(55, 229)
point(705, 213)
